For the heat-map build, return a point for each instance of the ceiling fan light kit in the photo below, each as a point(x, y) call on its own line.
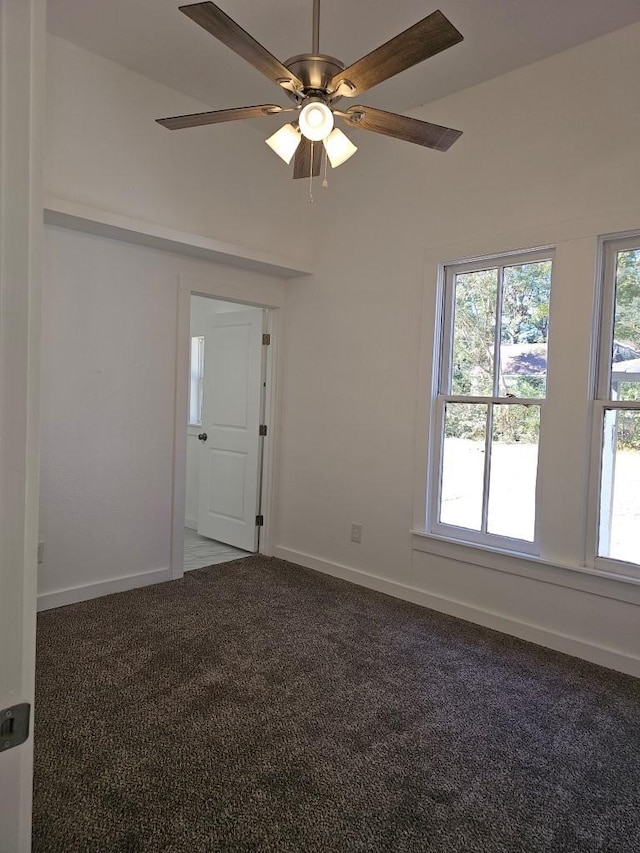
point(285, 142)
point(338, 147)
point(315, 83)
point(315, 120)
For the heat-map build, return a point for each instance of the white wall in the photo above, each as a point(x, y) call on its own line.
point(200, 307)
point(549, 152)
point(109, 336)
point(108, 397)
point(105, 150)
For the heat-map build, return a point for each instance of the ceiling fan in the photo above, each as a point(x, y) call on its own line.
point(316, 83)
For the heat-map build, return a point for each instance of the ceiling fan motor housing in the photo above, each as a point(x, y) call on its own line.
point(315, 71)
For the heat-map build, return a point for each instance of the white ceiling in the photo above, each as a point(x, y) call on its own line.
point(153, 38)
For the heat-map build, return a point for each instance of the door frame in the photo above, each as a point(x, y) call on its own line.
point(22, 75)
point(187, 287)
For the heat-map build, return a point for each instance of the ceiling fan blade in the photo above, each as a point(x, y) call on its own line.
point(198, 119)
point(429, 36)
point(225, 29)
point(302, 159)
point(401, 127)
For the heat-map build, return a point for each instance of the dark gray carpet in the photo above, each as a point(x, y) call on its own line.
point(258, 706)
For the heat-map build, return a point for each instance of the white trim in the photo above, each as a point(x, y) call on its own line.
point(569, 645)
point(491, 541)
point(494, 401)
point(512, 257)
point(188, 286)
point(84, 592)
point(80, 217)
point(22, 79)
point(621, 568)
point(191, 523)
point(180, 430)
point(274, 326)
point(603, 584)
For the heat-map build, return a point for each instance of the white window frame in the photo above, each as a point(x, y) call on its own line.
point(602, 397)
point(443, 359)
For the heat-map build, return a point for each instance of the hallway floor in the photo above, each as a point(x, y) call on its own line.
point(199, 551)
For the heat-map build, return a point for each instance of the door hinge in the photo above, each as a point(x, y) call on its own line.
point(14, 725)
point(259, 520)
point(262, 430)
point(266, 340)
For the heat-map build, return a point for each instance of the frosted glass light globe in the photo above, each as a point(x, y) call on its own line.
point(285, 142)
point(338, 147)
point(316, 121)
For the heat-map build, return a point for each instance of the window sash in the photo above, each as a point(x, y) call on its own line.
point(499, 263)
point(603, 401)
point(610, 251)
point(612, 565)
point(482, 536)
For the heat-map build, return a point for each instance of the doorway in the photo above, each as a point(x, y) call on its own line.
point(225, 432)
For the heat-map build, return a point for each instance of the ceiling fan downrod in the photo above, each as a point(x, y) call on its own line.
point(315, 47)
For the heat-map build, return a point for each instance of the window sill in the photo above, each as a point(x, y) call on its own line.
point(594, 581)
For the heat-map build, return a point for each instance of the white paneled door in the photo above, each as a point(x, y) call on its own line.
point(230, 454)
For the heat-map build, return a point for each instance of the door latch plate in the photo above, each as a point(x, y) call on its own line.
point(14, 725)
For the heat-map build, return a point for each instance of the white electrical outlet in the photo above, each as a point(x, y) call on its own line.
point(40, 552)
point(356, 533)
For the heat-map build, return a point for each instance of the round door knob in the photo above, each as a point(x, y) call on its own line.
point(203, 436)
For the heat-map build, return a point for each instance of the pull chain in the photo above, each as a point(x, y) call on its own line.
point(311, 177)
point(325, 182)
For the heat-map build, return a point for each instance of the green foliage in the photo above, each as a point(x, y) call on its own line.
point(474, 332)
point(525, 305)
point(628, 423)
point(627, 314)
point(628, 430)
point(511, 423)
point(524, 320)
point(516, 424)
point(627, 332)
point(466, 420)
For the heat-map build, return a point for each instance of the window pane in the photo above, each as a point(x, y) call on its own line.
point(463, 465)
point(514, 470)
point(474, 329)
point(524, 328)
point(625, 369)
point(195, 381)
point(620, 488)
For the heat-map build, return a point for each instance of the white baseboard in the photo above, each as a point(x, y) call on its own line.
point(191, 523)
point(611, 658)
point(72, 595)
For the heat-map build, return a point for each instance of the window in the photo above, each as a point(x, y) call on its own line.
point(617, 406)
point(196, 375)
point(490, 400)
